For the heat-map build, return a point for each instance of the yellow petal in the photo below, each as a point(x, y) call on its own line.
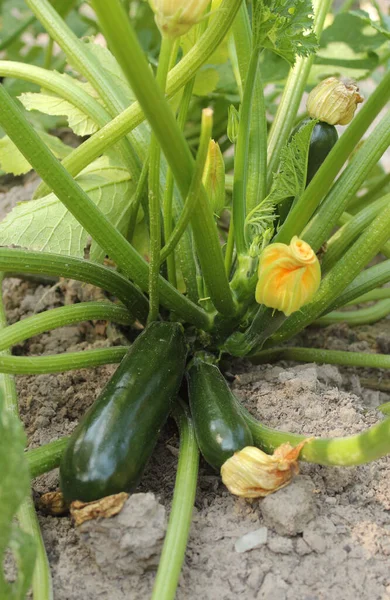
point(289, 276)
point(334, 101)
point(251, 473)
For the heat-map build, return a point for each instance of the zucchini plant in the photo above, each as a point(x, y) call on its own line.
point(213, 214)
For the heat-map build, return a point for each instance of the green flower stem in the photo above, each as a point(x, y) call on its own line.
point(196, 183)
point(265, 322)
point(359, 202)
point(362, 316)
point(256, 188)
point(295, 86)
point(59, 363)
point(367, 280)
point(343, 273)
point(325, 176)
point(67, 89)
point(139, 194)
point(242, 153)
point(175, 543)
point(16, 33)
point(46, 458)
point(26, 261)
point(86, 64)
point(86, 212)
point(160, 116)
point(377, 294)
point(41, 583)
point(347, 234)
point(342, 451)
point(133, 116)
point(321, 225)
point(186, 261)
point(154, 189)
point(59, 317)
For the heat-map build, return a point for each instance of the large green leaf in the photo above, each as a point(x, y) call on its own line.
point(45, 224)
point(13, 161)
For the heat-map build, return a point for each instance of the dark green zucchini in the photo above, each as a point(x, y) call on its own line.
point(109, 449)
point(219, 426)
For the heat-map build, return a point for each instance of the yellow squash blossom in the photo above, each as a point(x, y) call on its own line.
point(334, 101)
point(289, 276)
point(251, 473)
point(175, 17)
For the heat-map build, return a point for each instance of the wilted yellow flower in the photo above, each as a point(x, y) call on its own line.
point(175, 17)
point(334, 101)
point(289, 276)
point(251, 473)
point(214, 177)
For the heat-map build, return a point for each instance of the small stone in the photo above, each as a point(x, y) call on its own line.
point(251, 540)
point(289, 510)
point(273, 588)
point(280, 544)
point(315, 540)
point(302, 548)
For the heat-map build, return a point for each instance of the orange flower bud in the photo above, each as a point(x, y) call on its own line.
point(289, 276)
point(251, 473)
point(175, 17)
point(334, 101)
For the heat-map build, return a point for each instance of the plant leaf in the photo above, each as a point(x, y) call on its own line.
point(13, 161)
point(45, 223)
point(14, 489)
point(53, 105)
point(285, 27)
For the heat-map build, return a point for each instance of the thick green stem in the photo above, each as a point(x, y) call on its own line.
point(26, 261)
point(362, 163)
point(325, 176)
point(366, 281)
point(59, 317)
point(59, 363)
point(46, 458)
point(373, 295)
point(292, 94)
point(160, 116)
point(41, 583)
point(154, 190)
point(175, 543)
point(86, 212)
point(241, 154)
point(362, 316)
point(347, 234)
point(133, 116)
point(196, 184)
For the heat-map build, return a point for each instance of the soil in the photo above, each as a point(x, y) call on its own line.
point(325, 536)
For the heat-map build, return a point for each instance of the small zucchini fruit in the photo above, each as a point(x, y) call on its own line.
point(219, 426)
point(323, 138)
point(110, 447)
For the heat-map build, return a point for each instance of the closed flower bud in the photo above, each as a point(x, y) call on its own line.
point(289, 276)
point(251, 473)
point(175, 17)
point(214, 177)
point(233, 124)
point(334, 101)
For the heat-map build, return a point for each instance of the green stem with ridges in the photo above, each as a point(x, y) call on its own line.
point(196, 183)
point(41, 582)
point(362, 316)
point(366, 281)
point(140, 191)
point(59, 363)
point(67, 89)
point(325, 176)
point(359, 202)
point(373, 295)
point(159, 114)
point(60, 317)
point(86, 64)
point(133, 116)
point(173, 552)
point(27, 261)
point(362, 163)
point(242, 153)
point(46, 458)
point(343, 273)
point(154, 190)
point(347, 234)
point(292, 95)
point(86, 212)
